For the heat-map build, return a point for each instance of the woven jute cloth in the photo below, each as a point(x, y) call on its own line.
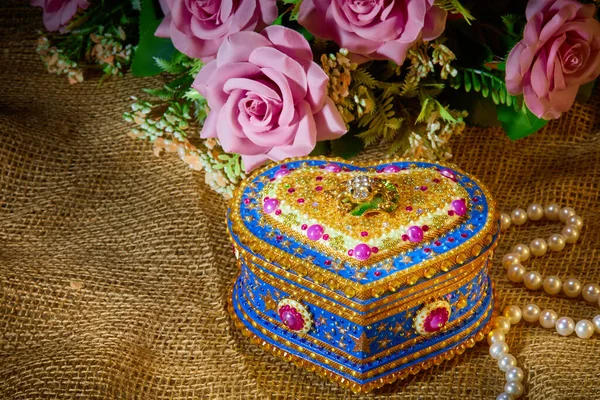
point(115, 264)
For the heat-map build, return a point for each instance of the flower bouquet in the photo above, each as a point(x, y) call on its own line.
point(253, 81)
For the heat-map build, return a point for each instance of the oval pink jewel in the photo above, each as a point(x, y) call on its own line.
point(448, 173)
point(270, 205)
point(314, 232)
point(291, 318)
point(391, 169)
point(333, 168)
point(415, 233)
point(459, 207)
point(362, 252)
point(281, 172)
point(436, 320)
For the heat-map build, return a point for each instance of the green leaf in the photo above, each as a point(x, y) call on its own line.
point(467, 76)
point(518, 124)
point(150, 47)
point(321, 149)
point(347, 146)
point(585, 92)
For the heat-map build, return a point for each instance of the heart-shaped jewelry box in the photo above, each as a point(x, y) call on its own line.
point(363, 273)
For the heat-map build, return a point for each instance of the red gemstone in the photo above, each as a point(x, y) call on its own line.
point(436, 180)
point(436, 320)
point(475, 199)
point(427, 250)
point(327, 262)
point(284, 166)
point(374, 249)
point(437, 243)
point(464, 235)
point(246, 201)
point(304, 226)
point(451, 239)
point(423, 188)
point(325, 237)
point(450, 212)
point(291, 318)
point(319, 188)
point(279, 237)
point(319, 178)
point(364, 233)
point(266, 198)
point(350, 252)
point(277, 212)
point(377, 273)
point(425, 228)
point(405, 237)
point(409, 208)
point(300, 200)
point(291, 190)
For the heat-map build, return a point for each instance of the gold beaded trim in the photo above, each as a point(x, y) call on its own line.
point(377, 356)
point(431, 288)
point(471, 247)
point(477, 336)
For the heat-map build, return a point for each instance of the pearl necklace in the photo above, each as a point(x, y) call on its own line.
point(533, 280)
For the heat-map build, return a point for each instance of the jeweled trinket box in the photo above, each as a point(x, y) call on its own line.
point(363, 273)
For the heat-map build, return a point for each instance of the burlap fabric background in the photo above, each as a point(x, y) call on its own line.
point(114, 264)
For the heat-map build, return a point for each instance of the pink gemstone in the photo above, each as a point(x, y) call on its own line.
point(423, 188)
point(377, 273)
point(448, 173)
point(300, 200)
point(415, 234)
point(350, 252)
point(391, 169)
point(459, 207)
point(266, 198)
point(291, 190)
point(333, 168)
point(362, 252)
point(374, 249)
point(270, 205)
point(246, 201)
point(409, 208)
point(291, 318)
point(315, 232)
point(319, 188)
point(436, 320)
point(364, 233)
point(279, 237)
point(325, 237)
point(304, 226)
point(277, 212)
point(281, 172)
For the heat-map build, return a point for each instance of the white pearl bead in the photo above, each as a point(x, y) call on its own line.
point(596, 322)
point(552, 284)
point(551, 211)
point(572, 287)
point(565, 213)
point(496, 336)
point(565, 326)
point(570, 233)
point(514, 388)
point(584, 329)
point(532, 280)
point(531, 313)
point(497, 350)
point(505, 396)
point(548, 318)
point(515, 273)
point(504, 221)
point(590, 292)
point(576, 221)
point(535, 212)
point(518, 216)
point(556, 242)
point(515, 374)
point(502, 323)
point(510, 259)
point(523, 251)
point(538, 247)
point(514, 314)
point(506, 361)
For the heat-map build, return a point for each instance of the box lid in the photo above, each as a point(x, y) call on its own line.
point(361, 230)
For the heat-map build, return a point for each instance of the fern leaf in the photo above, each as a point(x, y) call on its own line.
point(364, 77)
point(169, 67)
point(509, 21)
point(455, 7)
point(161, 93)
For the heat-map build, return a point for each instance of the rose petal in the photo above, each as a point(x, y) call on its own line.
point(226, 124)
point(329, 122)
point(287, 100)
point(274, 59)
point(305, 139)
point(268, 12)
point(209, 129)
point(203, 77)
point(213, 88)
point(394, 50)
point(239, 46)
point(317, 85)
point(164, 28)
point(192, 46)
point(435, 23)
point(252, 162)
point(251, 85)
point(288, 42)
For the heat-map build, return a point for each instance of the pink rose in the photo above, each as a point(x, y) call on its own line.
point(267, 98)
point(58, 13)
point(375, 29)
point(198, 27)
point(559, 52)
